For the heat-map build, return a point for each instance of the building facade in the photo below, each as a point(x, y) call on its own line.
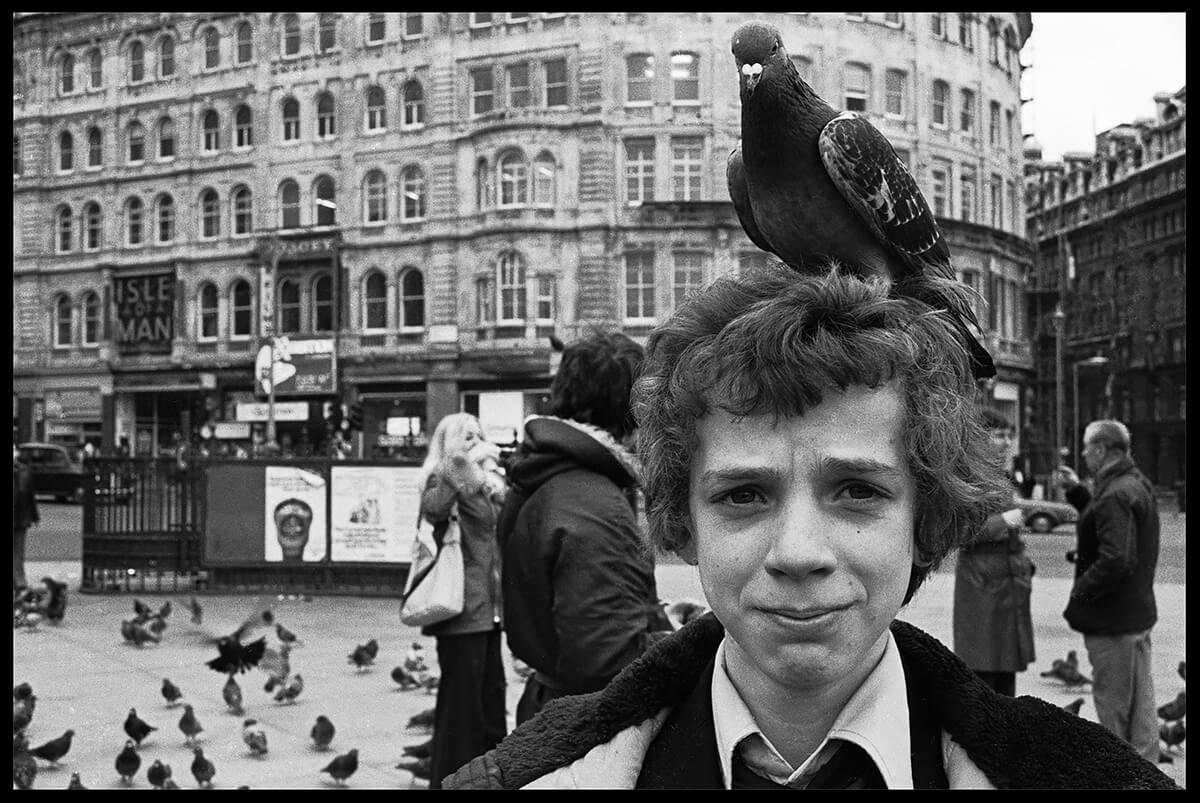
point(1110, 230)
point(419, 200)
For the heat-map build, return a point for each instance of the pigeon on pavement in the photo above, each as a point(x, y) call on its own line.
point(361, 657)
point(404, 679)
point(56, 604)
point(1066, 672)
point(170, 692)
point(203, 769)
point(1176, 709)
point(235, 656)
point(422, 750)
point(189, 725)
point(127, 762)
point(232, 694)
point(1172, 733)
point(75, 782)
point(137, 728)
point(55, 749)
point(24, 768)
point(414, 659)
point(158, 773)
point(277, 664)
point(254, 737)
point(285, 636)
point(142, 610)
point(196, 611)
point(22, 691)
point(343, 766)
point(809, 183)
point(322, 732)
point(289, 692)
point(423, 719)
point(418, 767)
point(372, 648)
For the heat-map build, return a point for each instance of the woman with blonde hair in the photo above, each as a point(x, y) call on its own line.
point(461, 478)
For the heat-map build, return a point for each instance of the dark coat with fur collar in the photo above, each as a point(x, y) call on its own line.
point(1019, 743)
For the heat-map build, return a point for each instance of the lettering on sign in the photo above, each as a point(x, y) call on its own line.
point(144, 312)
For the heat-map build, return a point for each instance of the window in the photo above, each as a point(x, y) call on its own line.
point(412, 194)
point(166, 219)
point(554, 74)
point(1014, 209)
point(993, 41)
point(894, 93)
point(639, 78)
point(517, 80)
point(66, 152)
point(639, 170)
point(322, 320)
point(413, 25)
point(893, 19)
point(289, 307)
point(376, 113)
point(941, 102)
point(16, 155)
point(480, 19)
point(483, 186)
point(639, 285)
point(689, 274)
point(513, 179)
point(245, 44)
point(327, 32)
point(212, 132)
point(994, 124)
point(375, 197)
point(543, 180)
point(1010, 47)
point(133, 221)
point(685, 78)
point(412, 298)
point(941, 186)
point(375, 301)
point(518, 16)
point(967, 190)
point(240, 309)
point(485, 299)
point(482, 90)
point(376, 28)
point(208, 313)
point(858, 88)
point(166, 138)
point(414, 104)
point(66, 74)
point(511, 271)
point(243, 221)
point(166, 57)
point(1010, 131)
point(92, 227)
point(291, 35)
point(137, 63)
point(91, 318)
point(289, 205)
point(212, 48)
point(967, 113)
point(210, 214)
point(547, 298)
point(96, 69)
point(325, 201)
point(937, 24)
point(62, 323)
point(137, 142)
point(997, 193)
point(326, 120)
point(687, 168)
point(291, 120)
point(966, 30)
point(64, 227)
point(243, 130)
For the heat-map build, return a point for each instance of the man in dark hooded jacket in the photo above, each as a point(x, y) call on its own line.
point(578, 576)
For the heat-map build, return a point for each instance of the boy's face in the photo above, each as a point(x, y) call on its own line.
point(803, 533)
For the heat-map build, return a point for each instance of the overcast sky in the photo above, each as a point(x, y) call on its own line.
point(1097, 66)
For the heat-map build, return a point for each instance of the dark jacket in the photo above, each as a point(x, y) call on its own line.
point(1116, 553)
point(1018, 743)
point(25, 509)
point(578, 576)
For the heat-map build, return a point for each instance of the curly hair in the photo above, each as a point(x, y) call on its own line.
point(594, 381)
point(773, 341)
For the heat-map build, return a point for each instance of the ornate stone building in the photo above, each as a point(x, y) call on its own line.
point(418, 200)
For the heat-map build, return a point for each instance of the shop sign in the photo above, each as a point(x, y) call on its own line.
point(231, 430)
point(302, 367)
point(144, 312)
point(261, 411)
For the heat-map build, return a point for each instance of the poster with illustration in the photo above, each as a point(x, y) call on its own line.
point(373, 513)
point(296, 516)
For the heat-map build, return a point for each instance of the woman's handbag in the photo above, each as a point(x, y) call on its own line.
point(433, 591)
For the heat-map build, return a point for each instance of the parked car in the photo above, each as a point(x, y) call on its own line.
point(1043, 515)
point(56, 472)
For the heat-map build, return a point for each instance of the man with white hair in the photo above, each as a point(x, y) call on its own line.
point(1112, 599)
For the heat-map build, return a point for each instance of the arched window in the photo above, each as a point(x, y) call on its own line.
point(327, 32)
point(240, 310)
point(289, 205)
point(136, 135)
point(91, 318)
point(96, 68)
point(375, 197)
point(291, 119)
point(993, 40)
point(62, 322)
point(375, 301)
point(639, 78)
point(166, 138)
point(482, 180)
point(66, 74)
point(414, 104)
point(376, 111)
point(324, 201)
point(291, 35)
point(412, 299)
point(133, 221)
point(166, 57)
point(289, 307)
point(210, 214)
point(326, 117)
point(95, 147)
point(212, 48)
point(212, 131)
point(243, 128)
point(63, 229)
point(513, 179)
point(66, 152)
point(242, 211)
point(412, 193)
point(245, 44)
point(165, 213)
point(543, 180)
point(511, 280)
point(207, 328)
point(1010, 48)
point(92, 227)
point(137, 62)
point(323, 303)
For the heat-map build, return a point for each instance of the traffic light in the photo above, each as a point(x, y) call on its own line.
point(355, 416)
point(332, 412)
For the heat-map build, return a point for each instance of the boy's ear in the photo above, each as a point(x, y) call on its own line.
point(687, 551)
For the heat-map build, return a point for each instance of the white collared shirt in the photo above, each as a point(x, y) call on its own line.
point(875, 718)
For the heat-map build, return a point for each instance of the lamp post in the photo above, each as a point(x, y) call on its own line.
point(1096, 360)
point(1058, 318)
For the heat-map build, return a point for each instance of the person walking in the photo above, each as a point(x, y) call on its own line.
point(461, 477)
point(993, 583)
point(579, 590)
point(25, 513)
point(1112, 599)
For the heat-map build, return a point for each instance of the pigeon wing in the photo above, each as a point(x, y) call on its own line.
point(739, 193)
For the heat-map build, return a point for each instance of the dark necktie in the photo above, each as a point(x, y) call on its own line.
point(849, 768)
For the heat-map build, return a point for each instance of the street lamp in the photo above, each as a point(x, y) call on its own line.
point(1058, 318)
point(1094, 361)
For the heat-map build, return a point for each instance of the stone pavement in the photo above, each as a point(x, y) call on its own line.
point(86, 678)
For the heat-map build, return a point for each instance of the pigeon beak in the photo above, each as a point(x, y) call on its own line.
point(750, 76)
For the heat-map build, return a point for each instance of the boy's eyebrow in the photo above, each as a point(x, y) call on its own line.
point(860, 465)
point(844, 465)
point(740, 473)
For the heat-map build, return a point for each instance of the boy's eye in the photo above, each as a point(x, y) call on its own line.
point(742, 496)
